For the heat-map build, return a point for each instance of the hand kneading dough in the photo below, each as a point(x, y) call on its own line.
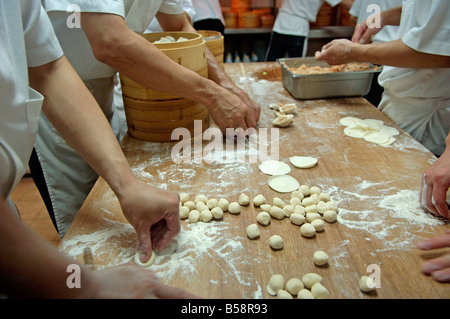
point(276, 282)
point(276, 242)
point(146, 264)
point(234, 208)
point(283, 183)
point(263, 218)
point(303, 161)
point(253, 231)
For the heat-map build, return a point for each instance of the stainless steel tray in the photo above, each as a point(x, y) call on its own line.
point(327, 85)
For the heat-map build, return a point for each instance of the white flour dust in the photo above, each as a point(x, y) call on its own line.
point(392, 215)
point(193, 244)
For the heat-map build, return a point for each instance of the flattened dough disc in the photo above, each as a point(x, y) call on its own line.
point(303, 161)
point(283, 183)
point(272, 167)
point(148, 263)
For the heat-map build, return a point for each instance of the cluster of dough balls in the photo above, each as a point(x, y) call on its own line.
point(202, 208)
point(308, 208)
point(308, 287)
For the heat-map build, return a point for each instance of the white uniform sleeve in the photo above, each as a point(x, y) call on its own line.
point(41, 43)
point(171, 7)
point(105, 6)
point(431, 35)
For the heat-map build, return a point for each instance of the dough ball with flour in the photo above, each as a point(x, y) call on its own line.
point(217, 212)
point(297, 219)
point(330, 216)
point(320, 258)
point(253, 231)
point(263, 218)
point(211, 203)
point(294, 285)
point(283, 294)
point(259, 200)
point(243, 199)
point(184, 197)
point(234, 208)
point(310, 279)
point(307, 230)
point(184, 212)
point(223, 204)
point(201, 198)
point(367, 284)
point(276, 242)
point(305, 294)
point(190, 204)
point(194, 216)
point(205, 215)
point(277, 212)
point(319, 291)
point(318, 224)
point(276, 282)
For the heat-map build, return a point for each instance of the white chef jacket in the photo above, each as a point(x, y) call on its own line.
point(26, 40)
point(418, 100)
point(359, 9)
point(68, 177)
point(207, 9)
point(294, 16)
point(188, 7)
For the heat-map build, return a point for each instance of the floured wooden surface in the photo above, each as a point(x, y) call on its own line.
point(376, 189)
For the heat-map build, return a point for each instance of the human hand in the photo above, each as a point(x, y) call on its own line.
point(438, 268)
point(130, 281)
point(154, 214)
point(363, 33)
point(435, 184)
point(336, 52)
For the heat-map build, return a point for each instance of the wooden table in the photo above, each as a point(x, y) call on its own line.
point(376, 189)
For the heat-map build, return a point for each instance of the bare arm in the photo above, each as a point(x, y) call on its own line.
point(113, 43)
point(75, 114)
point(394, 53)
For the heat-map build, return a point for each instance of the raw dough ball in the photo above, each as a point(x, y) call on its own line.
point(366, 284)
point(305, 294)
point(276, 242)
point(243, 199)
point(324, 197)
point(194, 216)
point(272, 167)
point(283, 294)
point(234, 208)
point(146, 264)
point(320, 258)
point(266, 207)
point(295, 201)
point(283, 183)
point(332, 205)
point(190, 204)
point(314, 198)
point(297, 219)
point(307, 230)
point(312, 216)
point(277, 212)
point(303, 161)
point(314, 190)
point(304, 189)
point(330, 216)
point(200, 198)
point(278, 202)
point(288, 210)
point(283, 120)
point(184, 197)
point(319, 291)
point(299, 210)
point(253, 231)
point(311, 209)
point(322, 207)
point(217, 212)
point(223, 203)
point(205, 215)
point(294, 285)
point(310, 279)
point(184, 212)
point(318, 224)
point(263, 218)
point(211, 203)
point(297, 194)
point(200, 206)
point(276, 282)
point(259, 200)
point(308, 201)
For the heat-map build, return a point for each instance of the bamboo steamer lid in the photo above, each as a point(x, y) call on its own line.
point(248, 20)
point(214, 42)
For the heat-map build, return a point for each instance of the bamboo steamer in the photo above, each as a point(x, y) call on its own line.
point(153, 115)
point(215, 43)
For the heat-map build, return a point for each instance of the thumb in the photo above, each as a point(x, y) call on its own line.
point(144, 243)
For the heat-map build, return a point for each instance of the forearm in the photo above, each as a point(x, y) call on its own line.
point(32, 267)
point(397, 54)
point(391, 16)
point(76, 115)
